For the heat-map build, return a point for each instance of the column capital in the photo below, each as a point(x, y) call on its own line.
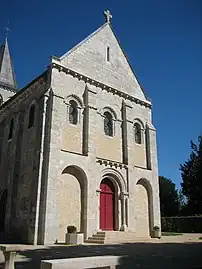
point(123, 195)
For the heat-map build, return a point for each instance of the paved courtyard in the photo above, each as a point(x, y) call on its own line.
point(171, 252)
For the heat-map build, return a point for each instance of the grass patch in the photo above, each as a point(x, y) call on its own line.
point(170, 234)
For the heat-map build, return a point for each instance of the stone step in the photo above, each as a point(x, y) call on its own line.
point(118, 234)
point(93, 240)
point(96, 241)
point(107, 237)
point(98, 236)
point(118, 237)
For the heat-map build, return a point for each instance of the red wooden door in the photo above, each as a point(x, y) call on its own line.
point(106, 205)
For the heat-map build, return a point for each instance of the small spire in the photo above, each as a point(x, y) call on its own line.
point(7, 76)
point(108, 16)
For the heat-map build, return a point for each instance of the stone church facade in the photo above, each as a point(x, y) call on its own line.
point(77, 146)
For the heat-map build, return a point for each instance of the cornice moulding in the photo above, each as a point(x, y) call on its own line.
point(56, 64)
point(111, 163)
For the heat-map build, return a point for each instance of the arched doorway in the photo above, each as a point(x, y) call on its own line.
point(3, 203)
point(107, 205)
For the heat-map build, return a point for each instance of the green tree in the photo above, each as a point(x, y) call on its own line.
point(183, 206)
point(191, 172)
point(181, 199)
point(169, 201)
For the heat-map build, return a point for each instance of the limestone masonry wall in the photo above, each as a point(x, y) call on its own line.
point(75, 169)
point(20, 163)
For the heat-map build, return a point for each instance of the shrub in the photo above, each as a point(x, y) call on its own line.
point(156, 228)
point(191, 224)
point(71, 229)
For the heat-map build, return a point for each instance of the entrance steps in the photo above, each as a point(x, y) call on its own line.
point(115, 237)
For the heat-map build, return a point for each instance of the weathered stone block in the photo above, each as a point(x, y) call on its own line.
point(74, 239)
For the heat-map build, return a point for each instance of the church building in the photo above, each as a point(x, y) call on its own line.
point(78, 147)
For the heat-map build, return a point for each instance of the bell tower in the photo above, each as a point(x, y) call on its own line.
point(8, 85)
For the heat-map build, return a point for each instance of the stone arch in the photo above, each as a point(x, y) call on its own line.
point(73, 200)
point(146, 200)
point(116, 178)
point(137, 120)
point(75, 98)
point(34, 102)
point(111, 111)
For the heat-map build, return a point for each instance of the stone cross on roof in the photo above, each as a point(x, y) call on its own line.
point(108, 16)
point(7, 30)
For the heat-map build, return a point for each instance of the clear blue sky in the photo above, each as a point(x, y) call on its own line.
point(162, 38)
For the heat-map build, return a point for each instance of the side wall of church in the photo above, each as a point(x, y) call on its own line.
point(84, 154)
point(19, 160)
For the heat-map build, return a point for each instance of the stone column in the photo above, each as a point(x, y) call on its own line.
point(152, 159)
point(90, 113)
point(123, 198)
point(124, 133)
point(128, 119)
point(98, 206)
point(38, 196)
point(89, 149)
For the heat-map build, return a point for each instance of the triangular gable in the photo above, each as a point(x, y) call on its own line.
point(89, 57)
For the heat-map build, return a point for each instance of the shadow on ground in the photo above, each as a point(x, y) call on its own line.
point(138, 255)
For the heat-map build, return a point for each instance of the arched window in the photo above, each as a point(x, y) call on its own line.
point(108, 124)
point(73, 112)
point(138, 138)
point(108, 56)
point(1, 100)
point(31, 116)
point(11, 127)
point(3, 203)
